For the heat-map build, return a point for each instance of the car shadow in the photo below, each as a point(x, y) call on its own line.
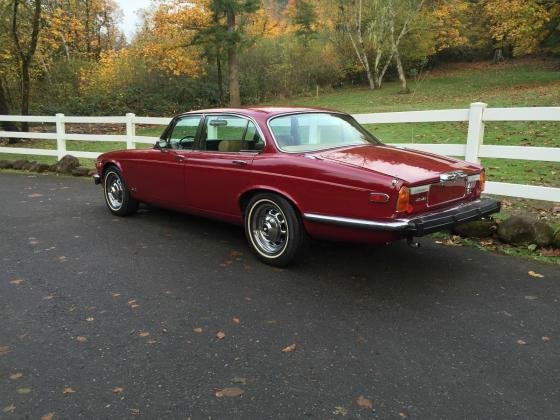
point(352, 268)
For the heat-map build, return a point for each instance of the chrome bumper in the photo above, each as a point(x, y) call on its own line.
point(422, 224)
point(96, 179)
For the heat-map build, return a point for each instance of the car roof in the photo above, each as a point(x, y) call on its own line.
point(258, 111)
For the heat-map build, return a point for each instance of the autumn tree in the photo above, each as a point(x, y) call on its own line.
point(25, 35)
point(516, 24)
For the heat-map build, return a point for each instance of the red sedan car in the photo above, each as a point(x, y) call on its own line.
point(287, 174)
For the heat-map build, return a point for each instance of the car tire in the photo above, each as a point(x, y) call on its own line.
point(116, 192)
point(274, 229)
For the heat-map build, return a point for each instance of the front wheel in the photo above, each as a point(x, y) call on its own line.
point(274, 229)
point(117, 194)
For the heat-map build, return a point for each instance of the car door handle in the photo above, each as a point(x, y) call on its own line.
point(239, 162)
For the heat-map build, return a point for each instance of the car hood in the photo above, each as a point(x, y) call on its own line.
point(411, 166)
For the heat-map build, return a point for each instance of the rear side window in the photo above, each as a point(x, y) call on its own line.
point(230, 133)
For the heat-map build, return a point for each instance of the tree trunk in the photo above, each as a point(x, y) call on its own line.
point(402, 77)
point(220, 75)
point(25, 92)
point(26, 57)
point(5, 110)
point(233, 62)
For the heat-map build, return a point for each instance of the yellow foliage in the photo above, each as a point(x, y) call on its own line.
point(449, 26)
point(518, 23)
point(170, 45)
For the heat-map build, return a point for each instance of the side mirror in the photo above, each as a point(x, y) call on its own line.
point(161, 145)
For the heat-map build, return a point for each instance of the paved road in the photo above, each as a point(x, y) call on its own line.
point(440, 332)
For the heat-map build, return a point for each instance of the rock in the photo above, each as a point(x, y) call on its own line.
point(525, 230)
point(18, 164)
point(67, 164)
point(42, 167)
point(80, 171)
point(27, 165)
point(34, 166)
point(52, 168)
point(475, 229)
point(556, 239)
point(6, 164)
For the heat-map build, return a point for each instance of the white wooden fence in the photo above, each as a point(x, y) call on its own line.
point(474, 148)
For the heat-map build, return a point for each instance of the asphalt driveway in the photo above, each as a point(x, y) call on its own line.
point(103, 317)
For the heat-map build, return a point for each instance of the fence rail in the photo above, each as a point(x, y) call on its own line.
point(474, 148)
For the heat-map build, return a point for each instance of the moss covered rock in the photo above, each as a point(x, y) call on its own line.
point(525, 230)
point(476, 228)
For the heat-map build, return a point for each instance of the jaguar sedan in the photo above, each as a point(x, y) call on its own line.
point(289, 174)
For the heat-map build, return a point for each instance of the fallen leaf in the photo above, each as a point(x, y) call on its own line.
point(9, 409)
point(62, 259)
point(115, 294)
point(533, 274)
point(48, 416)
point(4, 350)
point(81, 339)
point(151, 342)
point(23, 391)
point(239, 380)
point(545, 338)
point(220, 335)
point(340, 411)
point(364, 402)
point(134, 411)
point(68, 390)
point(132, 302)
point(134, 306)
point(197, 330)
point(402, 415)
point(236, 320)
point(521, 342)
point(49, 297)
point(143, 333)
point(289, 349)
point(17, 281)
point(35, 195)
point(33, 242)
point(90, 319)
point(531, 297)
point(229, 392)
point(118, 390)
point(16, 376)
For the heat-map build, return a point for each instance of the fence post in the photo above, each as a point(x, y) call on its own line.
point(475, 135)
point(60, 136)
point(130, 131)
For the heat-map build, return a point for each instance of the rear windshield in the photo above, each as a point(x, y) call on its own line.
point(307, 132)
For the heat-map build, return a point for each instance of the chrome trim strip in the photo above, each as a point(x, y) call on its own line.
point(398, 224)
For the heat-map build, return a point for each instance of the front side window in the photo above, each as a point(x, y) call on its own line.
point(230, 133)
point(184, 132)
point(307, 132)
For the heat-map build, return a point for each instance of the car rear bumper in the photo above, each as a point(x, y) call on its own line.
point(421, 224)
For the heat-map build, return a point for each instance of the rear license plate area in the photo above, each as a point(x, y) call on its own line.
point(447, 191)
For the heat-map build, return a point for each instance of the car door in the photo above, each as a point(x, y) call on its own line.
point(219, 170)
point(158, 174)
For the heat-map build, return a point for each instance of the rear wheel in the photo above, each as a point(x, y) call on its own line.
point(274, 229)
point(117, 194)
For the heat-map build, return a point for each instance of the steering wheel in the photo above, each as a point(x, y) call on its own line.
point(185, 139)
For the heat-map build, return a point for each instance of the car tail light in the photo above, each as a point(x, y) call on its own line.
point(482, 181)
point(403, 201)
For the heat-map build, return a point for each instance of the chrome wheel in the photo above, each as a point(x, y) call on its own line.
point(268, 228)
point(114, 191)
